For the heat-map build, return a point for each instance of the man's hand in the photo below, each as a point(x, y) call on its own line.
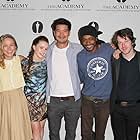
point(116, 54)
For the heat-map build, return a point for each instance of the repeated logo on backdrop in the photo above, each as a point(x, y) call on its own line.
point(119, 6)
point(65, 0)
point(121, 0)
point(67, 5)
point(61, 5)
point(12, 5)
point(37, 27)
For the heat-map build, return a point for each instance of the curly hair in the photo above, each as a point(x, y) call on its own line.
point(2, 38)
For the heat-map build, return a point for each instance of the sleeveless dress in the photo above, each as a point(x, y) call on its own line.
point(14, 114)
point(35, 89)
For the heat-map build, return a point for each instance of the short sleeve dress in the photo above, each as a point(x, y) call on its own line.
point(35, 88)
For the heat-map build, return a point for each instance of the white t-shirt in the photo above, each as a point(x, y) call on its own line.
point(61, 85)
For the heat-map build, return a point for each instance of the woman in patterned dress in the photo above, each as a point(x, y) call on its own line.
point(35, 75)
point(14, 115)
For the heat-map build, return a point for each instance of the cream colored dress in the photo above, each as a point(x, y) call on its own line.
point(14, 115)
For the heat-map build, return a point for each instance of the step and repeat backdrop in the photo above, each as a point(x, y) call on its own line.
point(26, 19)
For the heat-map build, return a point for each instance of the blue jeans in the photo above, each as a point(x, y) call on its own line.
point(70, 110)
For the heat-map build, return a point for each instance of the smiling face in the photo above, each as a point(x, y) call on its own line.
point(61, 33)
point(9, 48)
point(125, 45)
point(40, 50)
point(89, 42)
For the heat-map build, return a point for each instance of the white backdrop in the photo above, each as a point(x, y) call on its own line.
point(26, 19)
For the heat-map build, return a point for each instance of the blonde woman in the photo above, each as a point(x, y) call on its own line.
point(14, 117)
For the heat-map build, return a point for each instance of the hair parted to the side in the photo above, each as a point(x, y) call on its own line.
point(126, 32)
point(2, 38)
point(31, 53)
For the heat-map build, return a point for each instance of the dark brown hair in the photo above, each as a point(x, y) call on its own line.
point(61, 21)
point(31, 53)
point(126, 32)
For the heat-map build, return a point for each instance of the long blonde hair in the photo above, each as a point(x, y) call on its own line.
point(2, 38)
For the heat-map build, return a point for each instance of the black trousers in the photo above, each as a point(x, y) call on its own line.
point(70, 110)
point(124, 122)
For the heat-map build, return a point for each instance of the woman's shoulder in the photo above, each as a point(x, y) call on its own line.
point(22, 57)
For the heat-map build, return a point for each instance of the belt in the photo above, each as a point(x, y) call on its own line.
point(127, 103)
point(95, 99)
point(64, 98)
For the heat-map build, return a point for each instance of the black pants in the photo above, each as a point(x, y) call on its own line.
point(124, 122)
point(99, 111)
point(70, 110)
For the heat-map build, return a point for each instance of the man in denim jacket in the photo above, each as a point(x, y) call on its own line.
point(63, 85)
